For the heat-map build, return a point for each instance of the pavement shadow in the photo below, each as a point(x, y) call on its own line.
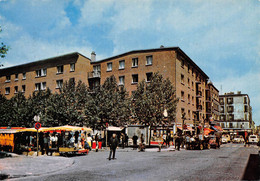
point(252, 171)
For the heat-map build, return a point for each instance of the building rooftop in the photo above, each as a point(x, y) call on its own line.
point(178, 49)
point(44, 63)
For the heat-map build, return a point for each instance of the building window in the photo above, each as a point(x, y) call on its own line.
point(230, 100)
point(122, 80)
point(149, 60)
point(135, 62)
point(23, 88)
point(182, 79)
point(245, 117)
point(182, 111)
point(72, 80)
point(72, 67)
point(43, 86)
point(16, 77)
point(60, 69)
point(8, 78)
point(182, 96)
point(192, 99)
point(59, 84)
point(122, 64)
point(40, 86)
point(246, 108)
point(149, 76)
point(230, 125)
point(245, 100)
point(135, 78)
point(24, 76)
point(41, 72)
point(188, 82)
point(188, 114)
point(37, 86)
point(192, 85)
point(96, 71)
point(109, 66)
point(16, 89)
point(7, 90)
point(182, 63)
point(188, 98)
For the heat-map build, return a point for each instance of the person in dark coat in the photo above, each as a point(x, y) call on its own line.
point(113, 143)
point(135, 138)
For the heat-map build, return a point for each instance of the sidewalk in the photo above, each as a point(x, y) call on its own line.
point(22, 166)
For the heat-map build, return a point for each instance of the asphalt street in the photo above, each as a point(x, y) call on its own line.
point(227, 163)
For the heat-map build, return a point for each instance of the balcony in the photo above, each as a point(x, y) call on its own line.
point(199, 94)
point(94, 74)
point(199, 107)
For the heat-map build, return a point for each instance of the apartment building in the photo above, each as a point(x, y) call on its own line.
point(190, 81)
point(198, 98)
point(39, 75)
point(235, 112)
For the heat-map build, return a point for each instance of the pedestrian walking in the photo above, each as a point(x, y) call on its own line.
point(113, 143)
point(168, 138)
point(97, 139)
point(135, 138)
point(123, 140)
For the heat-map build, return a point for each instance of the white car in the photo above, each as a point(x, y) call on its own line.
point(253, 139)
point(238, 139)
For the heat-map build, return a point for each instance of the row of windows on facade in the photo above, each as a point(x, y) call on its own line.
point(230, 100)
point(231, 109)
point(38, 86)
point(189, 114)
point(191, 70)
point(41, 72)
point(233, 125)
point(149, 61)
point(231, 117)
point(135, 78)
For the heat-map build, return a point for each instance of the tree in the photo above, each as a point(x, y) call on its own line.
point(20, 111)
point(5, 113)
point(150, 101)
point(3, 48)
point(37, 105)
point(67, 107)
point(109, 103)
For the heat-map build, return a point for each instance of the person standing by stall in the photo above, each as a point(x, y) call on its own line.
point(113, 143)
point(135, 138)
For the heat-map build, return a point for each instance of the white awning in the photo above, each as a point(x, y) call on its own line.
point(113, 128)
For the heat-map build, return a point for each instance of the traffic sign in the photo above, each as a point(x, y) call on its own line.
point(37, 125)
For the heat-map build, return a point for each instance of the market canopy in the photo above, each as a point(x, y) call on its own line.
point(207, 131)
point(59, 128)
point(113, 128)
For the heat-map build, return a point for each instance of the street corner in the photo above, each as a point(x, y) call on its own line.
point(24, 166)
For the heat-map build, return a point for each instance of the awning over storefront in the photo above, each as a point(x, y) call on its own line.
point(217, 128)
point(188, 128)
point(113, 128)
point(207, 131)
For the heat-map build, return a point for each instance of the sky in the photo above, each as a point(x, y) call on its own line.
point(220, 36)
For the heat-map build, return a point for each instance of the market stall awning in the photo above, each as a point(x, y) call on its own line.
point(68, 128)
point(217, 128)
point(207, 131)
point(188, 128)
point(113, 128)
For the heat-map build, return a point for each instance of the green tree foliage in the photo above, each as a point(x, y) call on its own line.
point(109, 103)
point(5, 111)
point(19, 110)
point(67, 107)
point(37, 105)
point(3, 48)
point(150, 101)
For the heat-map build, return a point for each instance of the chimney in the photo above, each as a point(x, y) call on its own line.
point(238, 92)
point(93, 56)
point(161, 46)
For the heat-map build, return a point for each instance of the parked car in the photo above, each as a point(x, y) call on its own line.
point(253, 139)
point(238, 139)
point(225, 138)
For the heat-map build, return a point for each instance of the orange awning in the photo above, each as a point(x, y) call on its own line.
point(207, 131)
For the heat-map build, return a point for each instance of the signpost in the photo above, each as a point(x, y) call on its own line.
point(37, 127)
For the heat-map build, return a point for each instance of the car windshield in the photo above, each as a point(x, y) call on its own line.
point(252, 136)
